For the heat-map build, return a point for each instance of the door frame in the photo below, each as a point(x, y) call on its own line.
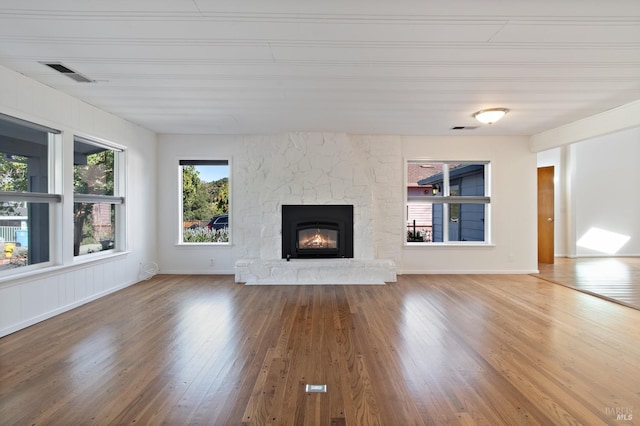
point(546, 214)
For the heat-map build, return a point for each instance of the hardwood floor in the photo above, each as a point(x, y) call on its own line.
point(427, 350)
point(613, 278)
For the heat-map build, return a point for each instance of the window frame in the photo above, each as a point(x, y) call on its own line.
point(51, 198)
point(117, 199)
point(219, 161)
point(447, 200)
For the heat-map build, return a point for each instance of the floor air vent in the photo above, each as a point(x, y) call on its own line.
point(315, 388)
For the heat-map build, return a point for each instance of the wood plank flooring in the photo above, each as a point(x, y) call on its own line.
point(427, 350)
point(613, 278)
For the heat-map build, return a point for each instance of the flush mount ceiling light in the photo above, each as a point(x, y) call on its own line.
point(490, 116)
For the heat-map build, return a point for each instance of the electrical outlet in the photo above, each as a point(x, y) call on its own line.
point(212, 262)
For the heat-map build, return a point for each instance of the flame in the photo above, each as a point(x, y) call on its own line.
point(317, 240)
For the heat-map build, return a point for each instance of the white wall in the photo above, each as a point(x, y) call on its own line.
point(605, 188)
point(599, 156)
point(513, 206)
point(614, 120)
point(35, 296)
point(367, 171)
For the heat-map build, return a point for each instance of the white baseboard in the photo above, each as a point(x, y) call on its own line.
point(468, 272)
point(208, 271)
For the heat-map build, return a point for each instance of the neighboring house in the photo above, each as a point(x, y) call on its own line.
point(466, 221)
point(102, 222)
point(419, 212)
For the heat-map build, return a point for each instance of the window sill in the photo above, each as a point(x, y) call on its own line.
point(49, 270)
point(200, 245)
point(97, 257)
point(448, 245)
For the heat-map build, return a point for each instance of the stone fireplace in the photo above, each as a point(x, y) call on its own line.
point(317, 172)
point(317, 248)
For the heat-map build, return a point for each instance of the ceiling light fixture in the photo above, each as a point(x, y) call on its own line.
point(490, 116)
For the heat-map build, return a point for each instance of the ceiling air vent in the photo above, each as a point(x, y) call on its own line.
point(464, 127)
point(62, 69)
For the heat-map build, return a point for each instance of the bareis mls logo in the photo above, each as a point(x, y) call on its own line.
point(621, 414)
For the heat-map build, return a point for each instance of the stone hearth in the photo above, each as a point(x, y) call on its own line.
point(314, 271)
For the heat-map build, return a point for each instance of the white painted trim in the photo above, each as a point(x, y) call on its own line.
point(600, 256)
point(179, 241)
point(450, 244)
point(312, 283)
point(209, 271)
point(468, 272)
point(624, 117)
point(52, 270)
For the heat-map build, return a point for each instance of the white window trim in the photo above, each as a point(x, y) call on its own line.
point(446, 199)
point(53, 197)
point(31, 197)
point(118, 199)
point(60, 198)
point(180, 236)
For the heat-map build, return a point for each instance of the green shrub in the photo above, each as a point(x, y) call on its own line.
point(206, 235)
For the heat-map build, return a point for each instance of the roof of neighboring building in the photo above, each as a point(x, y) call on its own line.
point(420, 171)
point(469, 169)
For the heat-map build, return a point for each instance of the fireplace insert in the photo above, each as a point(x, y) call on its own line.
point(317, 231)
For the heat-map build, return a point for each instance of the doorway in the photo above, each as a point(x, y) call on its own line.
point(546, 218)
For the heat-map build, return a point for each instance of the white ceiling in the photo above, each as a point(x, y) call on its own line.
point(384, 67)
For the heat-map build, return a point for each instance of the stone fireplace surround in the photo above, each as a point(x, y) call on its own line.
point(314, 271)
point(316, 168)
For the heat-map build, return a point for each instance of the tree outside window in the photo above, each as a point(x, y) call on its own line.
point(13, 178)
point(25, 192)
point(95, 201)
point(205, 201)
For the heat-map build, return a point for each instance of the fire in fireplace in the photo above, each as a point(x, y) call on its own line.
point(317, 238)
point(324, 231)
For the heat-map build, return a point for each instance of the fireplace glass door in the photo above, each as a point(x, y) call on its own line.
point(317, 238)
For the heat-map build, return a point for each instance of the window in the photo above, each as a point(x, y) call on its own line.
point(26, 193)
point(97, 200)
point(204, 213)
point(447, 202)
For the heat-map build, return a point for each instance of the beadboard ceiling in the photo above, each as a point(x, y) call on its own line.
point(377, 67)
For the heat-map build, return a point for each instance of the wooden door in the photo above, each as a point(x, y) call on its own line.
point(545, 215)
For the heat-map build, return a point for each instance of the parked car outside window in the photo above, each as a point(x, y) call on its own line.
point(219, 222)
